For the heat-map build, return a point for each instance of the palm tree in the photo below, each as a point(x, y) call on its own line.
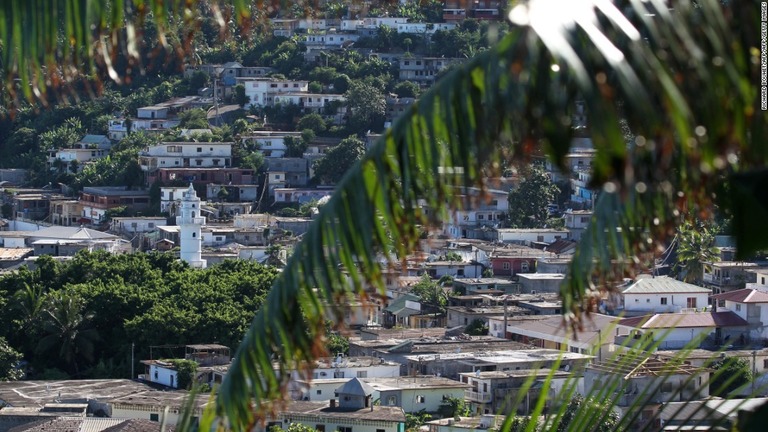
point(64, 326)
point(695, 249)
point(683, 79)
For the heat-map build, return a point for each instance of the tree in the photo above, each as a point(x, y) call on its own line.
point(9, 362)
point(528, 201)
point(239, 96)
point(452, 407)
point(367, 107)
point(313, 122)
point(731, 374)
point(477, 328)
point(186, 372)
point(295, 147)
point(65, 326)
point(591, 415)
point(340, 158)
point(430, 293)
point(193, 119)
point(695, 248)
point(406, 89)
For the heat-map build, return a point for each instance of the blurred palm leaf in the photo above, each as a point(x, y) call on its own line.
point(685, 79)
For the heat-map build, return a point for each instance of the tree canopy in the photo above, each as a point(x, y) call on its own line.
point(528, 201)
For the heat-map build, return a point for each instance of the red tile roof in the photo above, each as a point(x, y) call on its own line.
point(685, 320)
point(746, 295)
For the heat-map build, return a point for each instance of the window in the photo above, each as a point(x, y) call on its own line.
point(505, 265)
point(666, 387)
point(738, 307)
point(647, 300)
point(154, 417)
point(524, 266)
point(392, 401)
point(362, 374)
point(420, 399)
point(338, 374)
point(691, 302)
point(194, 235)
point(199, 149)
point(345, 429)
point(663, 300)
point(319, 392)
point(480, 217)
point(539, 238)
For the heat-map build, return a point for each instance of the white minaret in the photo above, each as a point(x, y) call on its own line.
point(190, 226)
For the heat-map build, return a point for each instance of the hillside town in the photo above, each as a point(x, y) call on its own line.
point(466, 332)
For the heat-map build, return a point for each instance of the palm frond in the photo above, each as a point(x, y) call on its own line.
point(682, 79)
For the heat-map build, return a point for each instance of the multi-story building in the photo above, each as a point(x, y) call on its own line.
point(423, 70)
point(66, 212)
point(202, 176)
point(186, 155)
point(262, 91)
point(97, 200)
point(724, 276)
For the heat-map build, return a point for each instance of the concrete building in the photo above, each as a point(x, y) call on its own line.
point(660, 294)
point(647, 381)
point(186, 155)
point(537, 283)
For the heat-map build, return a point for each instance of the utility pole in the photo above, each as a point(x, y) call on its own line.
point(504, 334)
point(132, 361)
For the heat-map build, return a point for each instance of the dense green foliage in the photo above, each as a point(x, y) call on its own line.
point(452, 407)
point(337, 160)
point(431, 293)
point(86, 313)
point(185, 372)
point(9, 362)
point(695, 243)
point(528, 201)
point(734, 372)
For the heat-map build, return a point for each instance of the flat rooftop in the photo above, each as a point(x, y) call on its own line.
point(417, 382)
point(39, 393)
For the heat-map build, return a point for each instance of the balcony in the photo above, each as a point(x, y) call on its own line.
point(477, 397)
point(190, 220)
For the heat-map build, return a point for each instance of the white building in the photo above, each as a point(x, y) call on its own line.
point(190, 226)
point(751, 304)
point(662, 294)
point(577, 221)
point(354, 367)
point(170, 198)
point(262, 91)
point(414, 394)
point(186, 155)
point(137, 224)
point(79, 155)
point(532, 235)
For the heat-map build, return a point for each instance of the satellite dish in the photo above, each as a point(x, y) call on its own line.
point(567, 368)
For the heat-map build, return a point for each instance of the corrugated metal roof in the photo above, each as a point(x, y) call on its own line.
point(685, 320)
point(664, 285)
point(746, 295)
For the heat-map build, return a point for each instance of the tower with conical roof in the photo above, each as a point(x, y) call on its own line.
point(190, 227)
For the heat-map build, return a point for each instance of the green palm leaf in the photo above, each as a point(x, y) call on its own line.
point(505, 99)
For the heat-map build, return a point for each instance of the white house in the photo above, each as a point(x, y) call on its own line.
point(423, 28)
point(137, 224)
point(352, 367)
point(186, 155)
point(270, 144)
point(309, 101)
point(170, 198)
point(414, 394)
point(527, 236)
point(679, 330)
point(261, 91)
point(577, 221)
point(288, 195)
point(352, 411)
point(660, 294)
point(750, 304)
point(79, 155)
